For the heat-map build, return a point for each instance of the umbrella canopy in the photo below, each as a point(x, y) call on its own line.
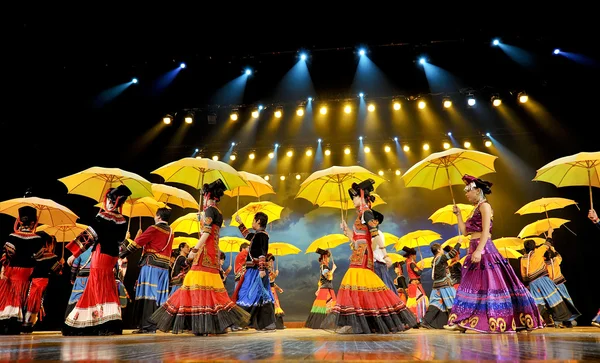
point(425, 263)
point(142, 207)
point(542, 226)
point(389, 239)
point(509, 253)
point(464, 241)
point(256, 186)
point(63, 232)
point(508, 242)
point(396, 257)
point(349, 204)
point(95, 182)
point(543, 205)
point(48, 211)
point(196, 172)
point(272, 210)
point(188, 224)
point(447, 216)
point(231, 244)
point(283, 249)
point(417, 239)
point(191, 241)
point(171, 195)
point(327, 242)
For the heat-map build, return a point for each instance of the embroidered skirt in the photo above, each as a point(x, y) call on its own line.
point(34, 301)
point(78, 287)
point(381, 270)
point(322, 306)
point(13, 292)
point(417, 299)
point(152, 284)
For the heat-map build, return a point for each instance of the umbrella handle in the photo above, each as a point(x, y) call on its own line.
point(341, 202)
point(450, 186)
point(128, 224)
point(590, 187)
point(230, 256)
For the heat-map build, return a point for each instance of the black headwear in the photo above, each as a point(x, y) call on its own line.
point(216, 189)
point(366, 186)
point(377, 216)
point(323, 252)
point(409, 251)
point(27, 214)
point(121, 191)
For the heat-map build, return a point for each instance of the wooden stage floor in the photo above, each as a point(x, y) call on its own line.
point(581, 343)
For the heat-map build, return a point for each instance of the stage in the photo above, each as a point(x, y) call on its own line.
point(581, 343)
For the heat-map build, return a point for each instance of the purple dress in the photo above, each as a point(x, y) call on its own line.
point(490, 298)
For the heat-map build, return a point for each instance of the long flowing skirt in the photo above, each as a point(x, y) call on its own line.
point(381, 270)
point(254, 295)
point(440, 305)
point(322, 306)
point(35, 309)
point(152, 290)
point(490, 298)
point(564, 293)
point(548, 299)
point(279, 313)
point(201, 306)
point(366, 305)
point(417, 300)
point(13, 298)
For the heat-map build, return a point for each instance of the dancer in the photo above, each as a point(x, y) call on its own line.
point(240, 262)
point(152, 287)
point(553, 260)
point(455, 267)
point(442, 294)
point(325, 295)
point(490, 297)
point(80, 271)
point(381, 263)
point(98, 311)
point(417, 299)
point(593, 216)
point(253, 293)
point(21, 249)
point(46, 265)
point(180, 267)
point(364, 303)
point(202, 305)
point(223, 273)
point(279, 313)
point(400, 281)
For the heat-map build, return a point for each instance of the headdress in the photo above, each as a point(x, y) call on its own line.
point(473, 182)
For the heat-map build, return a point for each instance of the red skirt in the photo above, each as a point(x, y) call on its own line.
point(99, 302)
point(13, 292)
point(35, 309)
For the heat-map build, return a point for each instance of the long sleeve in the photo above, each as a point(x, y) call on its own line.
point(75, 268)
point(245, 232)
point(371, 222)
point(259, 249)
point(81, 243)
point(415, 269)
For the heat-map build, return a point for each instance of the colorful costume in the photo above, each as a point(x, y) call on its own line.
point(152, 287)
point(279, 313)
point(202, 305)
point(240, 265)
point(400, 281)
point(553, 261)
point(442, 293)
point(98, 311)
point(253, 293)
point(80, 271)
point(455, 273)
point(180, 268)
point(325, 295)
point(364, 303)
point(380, 267)
point(417, 299)
point(18, 260)
point(490, 297)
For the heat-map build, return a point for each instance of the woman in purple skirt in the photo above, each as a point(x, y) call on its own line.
point(490, 298)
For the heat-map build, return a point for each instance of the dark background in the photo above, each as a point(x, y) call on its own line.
point(59, 65)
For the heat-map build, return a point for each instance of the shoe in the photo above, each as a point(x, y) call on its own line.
point(455, 327)
point(426, 326)
point(143, 331)
point(266, 330)
point(597, 325)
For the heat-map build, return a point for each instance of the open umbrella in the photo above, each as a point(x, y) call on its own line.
point(396, 257)
point(390, 239)
point(446, 168)
point(231, 245)
point(141, 207)
point(349, 204)
point(191, 241)
point(282, 249)
point(256, 186)
point(272, 210)
point(427, 262)
point(543, 205)
point(327, 242)
point(447, 216)
point(171, 195)
point(48, 211)
point(417, 239)
point(188, 224)
point(464, 241)
point(542, 226)
point(63, 232)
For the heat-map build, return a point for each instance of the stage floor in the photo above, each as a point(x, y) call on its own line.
point(582, 343)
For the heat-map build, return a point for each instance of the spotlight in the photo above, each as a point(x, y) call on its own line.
point(233, 144)
point(303, 56)
point(422, 104)
point(397, 105)
point(422, 61)
point(446, 145)
point(282, 178)
point(360, 138)
point(276, 145)
point(319, 140)
point(347, 109)
point(347, 151)
point(189, 118)
point(309, 152)
point(197, 150)
point(215, 157)
point(278, 112)
point(398, 172)
point(310, 99)
point(395, 138)
point(371, 107)
point(260, 107)
point(496, 42)
point(522, 96)
point(300, 111)
point(267, 178)
point(447, 102)
point(487, 134)
point(425, 146)
point(380, 173)
point(449, 134)
point(487, 142)
point(323, 110)
point(362, 52)
point(234, 115)
point(298, 177)
point(496, 101)
point(167, 119)
point(271, 155)
point(232, 157)
point(182, 65)
point(556, 51)
point(387, 149)
point(367, 149)
point(361, 95)
point(471, 100)
point(135, 80)
point(290, 153)
point(248, 71)
point(467, 144)
point(255, 113)
point(251, 156)
point(406, 148)
point(327, 152)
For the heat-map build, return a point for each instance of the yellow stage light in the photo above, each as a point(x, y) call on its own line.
point(398, 172)
point(446, 145)
point(167, 120)
point(523, 97)
point(425, 146)
point(188, 119)
point(327, 152)
point(278, 114)
point(215, 157)
point(282, 178)
point(347, 151)
point(251, 156)
point(323, 110)
point(397, 106)
point(255, 114)
point(488, 143)
point(309, 152)
point(233, 116)
point(371, 107)
point(300, 112)
point(232, 157)
point(267, 177)
point(271, 155)
point(290, 153)
point(447, 104)
point(467, 144)
point(298, 176)
point(422, 104)
point(380, 173)
point(387, 149)
point(406, 148)
point(367, 149)
point(348, 109)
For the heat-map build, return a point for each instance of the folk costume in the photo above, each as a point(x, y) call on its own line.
point(202, 305)
point(364, 303)
point(98, 311)
point(279, 313)
point(178, 271)
point(455, 272)
point(490, 298)
point(553, 261)
point(152, 287)
point(325, 299)
point(380, 266)
point(239, 267)
point(80, 271)
point(400, 281)
point(21, 249)
point(417, 298)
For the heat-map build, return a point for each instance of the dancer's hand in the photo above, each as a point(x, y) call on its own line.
point(476, 257)
point(70, 260)
point(238, 219)
point(262, 274)
point(455, 209)
point(593, 216)
point(191, 255)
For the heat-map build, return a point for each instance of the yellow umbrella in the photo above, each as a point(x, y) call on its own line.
point(327, 242)
point(542, 226)
point(188, 224)
point(191, 241)
point(282, 249)
point(48, 211)
point(425, 263)
point(396, 257)
point(199, 171)
point(509, 253)
point(464, 241)
point(350, 204)
point(63, 232)
point(142, 207)
point(510, 242)
point(543, 205)
point(575, 170)
point(171, 195)
point(331, 184)
point(446, 168)
point(446, 214)
point(231, 245)
point(417, 239)
point(538, 241)
point(272, 210)
point(390, 239)
point(95, 181)
point(256, 186)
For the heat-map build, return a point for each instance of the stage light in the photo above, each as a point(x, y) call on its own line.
point(303, 56)
point(282, 178)
point(323, 110)
point(298, 177)
point(271, 155)
point(467, 144)
point(360, 138)
point(278, 112)
point(487, 134)
point(397, 105)
point(251, 156)
point(496, 42)
point(310, 99)
point(406, 148)
point(380, 173)
point(232, 157)
point(425, 146)
point(487, 142)
point(290, 153)
point(260, 107)
point(449, 134)
point(367, 149)
point(319, 140)
point(362, 52)
point(398, 172)
point(233, 116)
point(255, 114)
point(371, 107)
point(471, 100)
point(309, 152)
point(387, 149)
point(267, 178)
point(556, 51)
point(167, 119)
point(188, 119)
point(522, 96)
point(197, 150)
point(422, 61)
point(347, 109)
point(182, 65)
point(300, 111)
point(233, 144)
point(135, 80)
point(215, 157)
point(422, 104)
point(248, 71)
point(327, 152)
point(347, 151)
point(395, 138)
point(276, 145)
point(446, 145)
point(496, 101)
point(447, 103)
point(361, 95)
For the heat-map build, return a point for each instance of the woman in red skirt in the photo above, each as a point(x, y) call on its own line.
point(18, 260)
point(98, 311)
point(325, 295)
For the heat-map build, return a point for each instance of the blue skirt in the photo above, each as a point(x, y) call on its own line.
point(596, 318)
point(544, 292)
point(174, 288)
point(78, 288)
point(564, 293)
point(442, 298)
point(255, 291)
point(153, 284)
point(381, 270)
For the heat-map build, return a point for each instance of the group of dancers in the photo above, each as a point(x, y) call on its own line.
point(185, 292)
